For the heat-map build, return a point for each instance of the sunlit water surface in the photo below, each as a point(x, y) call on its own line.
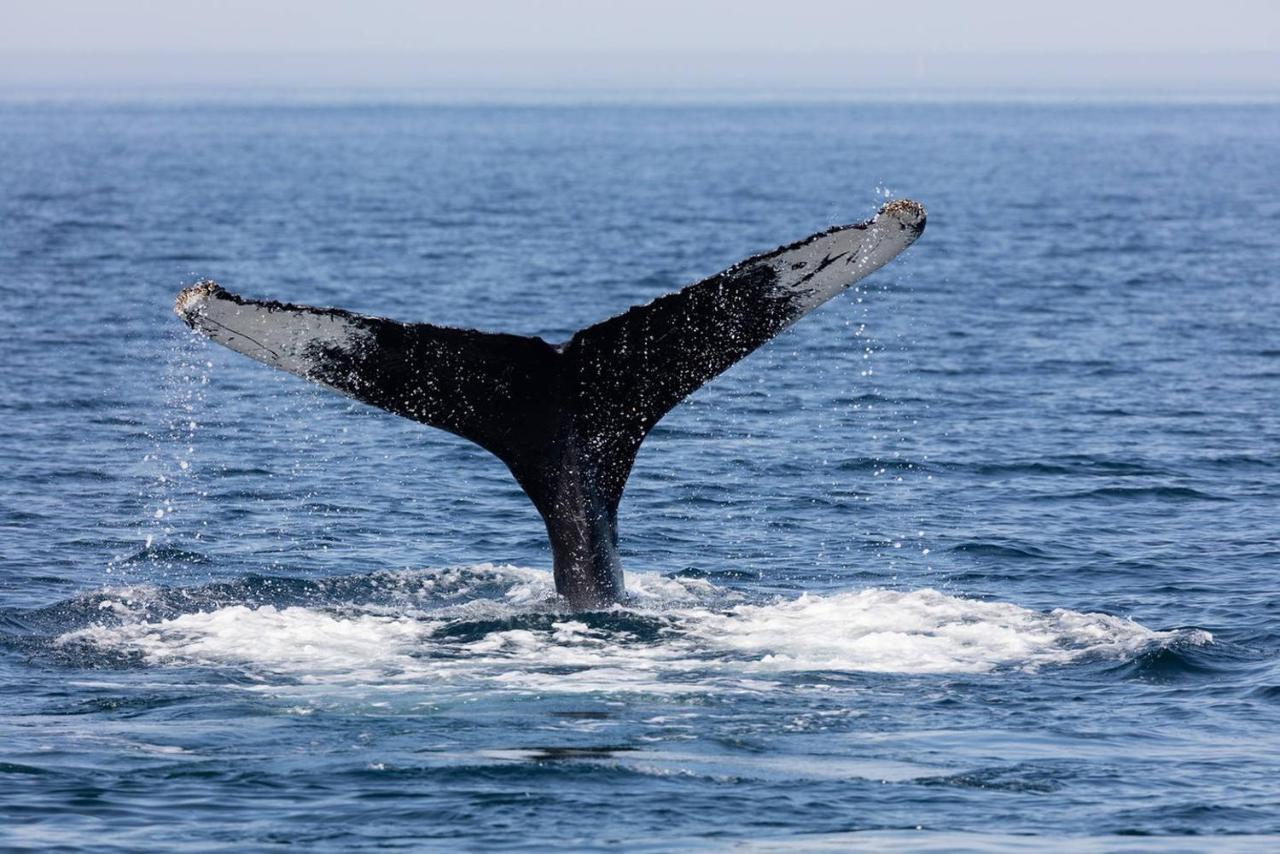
point(987, 549)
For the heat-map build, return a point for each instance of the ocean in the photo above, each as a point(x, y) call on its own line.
point(983, 555)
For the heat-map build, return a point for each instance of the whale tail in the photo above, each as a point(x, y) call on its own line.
point(566, 419)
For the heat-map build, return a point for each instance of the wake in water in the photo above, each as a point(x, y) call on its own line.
point(488, 628)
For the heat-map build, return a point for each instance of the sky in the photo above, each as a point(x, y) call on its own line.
point(1169, 46)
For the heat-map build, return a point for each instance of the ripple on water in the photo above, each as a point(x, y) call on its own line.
point(496, 628)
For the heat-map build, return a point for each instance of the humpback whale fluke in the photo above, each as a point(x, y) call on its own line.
point(567, 419)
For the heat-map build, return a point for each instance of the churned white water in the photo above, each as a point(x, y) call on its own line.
point(674, 636)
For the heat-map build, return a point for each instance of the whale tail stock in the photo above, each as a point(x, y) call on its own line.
point(566, 419)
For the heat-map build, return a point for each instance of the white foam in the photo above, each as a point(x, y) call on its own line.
point(920, 631)
point(697, 638)
point(295, 640)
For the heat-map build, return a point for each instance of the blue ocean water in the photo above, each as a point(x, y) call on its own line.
point(985, 554)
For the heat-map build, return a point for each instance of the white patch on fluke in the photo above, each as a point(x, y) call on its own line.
point(697, 639)
point(825, 266)
point(282, 336)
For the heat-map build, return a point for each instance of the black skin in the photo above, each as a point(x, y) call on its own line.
point(566, 419)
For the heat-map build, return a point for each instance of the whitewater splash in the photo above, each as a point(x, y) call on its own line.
point(675, 635)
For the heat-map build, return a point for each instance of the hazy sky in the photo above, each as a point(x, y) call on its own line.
point(1171, 44)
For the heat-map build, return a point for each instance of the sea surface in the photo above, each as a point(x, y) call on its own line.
point(984, 555)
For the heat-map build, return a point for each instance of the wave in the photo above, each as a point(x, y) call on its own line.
point(163, 555)
point(1180, 661)
point(488, 627)
point(1065, 464)
point(1138, 493)
point(1003, 549)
